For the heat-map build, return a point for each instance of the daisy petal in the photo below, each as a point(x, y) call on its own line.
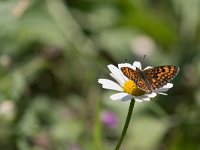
point(126, 65)
point(151, 95)
point(164, 88)
point(146, 99)
point(148, 67)
point(126, 98)
point(163, 93)
point(161, 90)
point(137, 64)
point(138, 100)
point(168, 85)
point(118, 96)
point(108, 84)
point(143, 97)
point(114, 77)
point(116, 74)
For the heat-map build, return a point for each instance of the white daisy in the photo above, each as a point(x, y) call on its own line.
point(126, 88)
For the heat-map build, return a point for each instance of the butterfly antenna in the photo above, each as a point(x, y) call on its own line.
point(143, 58)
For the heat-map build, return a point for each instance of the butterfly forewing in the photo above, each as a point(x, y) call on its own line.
point(160, 76)
point(130, 73)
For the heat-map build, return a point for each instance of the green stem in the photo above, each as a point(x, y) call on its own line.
point(128, 118)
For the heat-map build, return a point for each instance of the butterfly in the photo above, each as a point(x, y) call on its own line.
point(151, 78)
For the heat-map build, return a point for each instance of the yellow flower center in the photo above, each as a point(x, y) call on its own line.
point(130, 88)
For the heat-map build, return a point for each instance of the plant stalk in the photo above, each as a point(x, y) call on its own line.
point(128, 118)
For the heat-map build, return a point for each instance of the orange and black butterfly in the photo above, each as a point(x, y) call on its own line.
point(152, 78)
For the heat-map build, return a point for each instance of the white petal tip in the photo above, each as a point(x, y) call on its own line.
point(148, 67)
point(163, 93)
point(151, 95)
point(100, 81)
point(168, 85)
point(108, 84)
point(146, 99)
point(138, 100)
point(110, 67)
point(137, 64)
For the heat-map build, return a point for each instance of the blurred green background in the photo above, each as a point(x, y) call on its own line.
point(52, 53)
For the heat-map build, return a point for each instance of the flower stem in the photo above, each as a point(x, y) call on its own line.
point(128, 118)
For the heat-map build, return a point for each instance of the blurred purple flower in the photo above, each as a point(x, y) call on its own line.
point(109, 119)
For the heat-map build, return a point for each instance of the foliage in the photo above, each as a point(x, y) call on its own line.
point(53, 52)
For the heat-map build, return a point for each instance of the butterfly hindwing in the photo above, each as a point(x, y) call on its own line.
point(143, 85)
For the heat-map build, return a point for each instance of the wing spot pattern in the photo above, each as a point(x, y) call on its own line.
point(152, 78)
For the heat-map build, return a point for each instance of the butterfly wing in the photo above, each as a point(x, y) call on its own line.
point(136, 78)
point(160, 76)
